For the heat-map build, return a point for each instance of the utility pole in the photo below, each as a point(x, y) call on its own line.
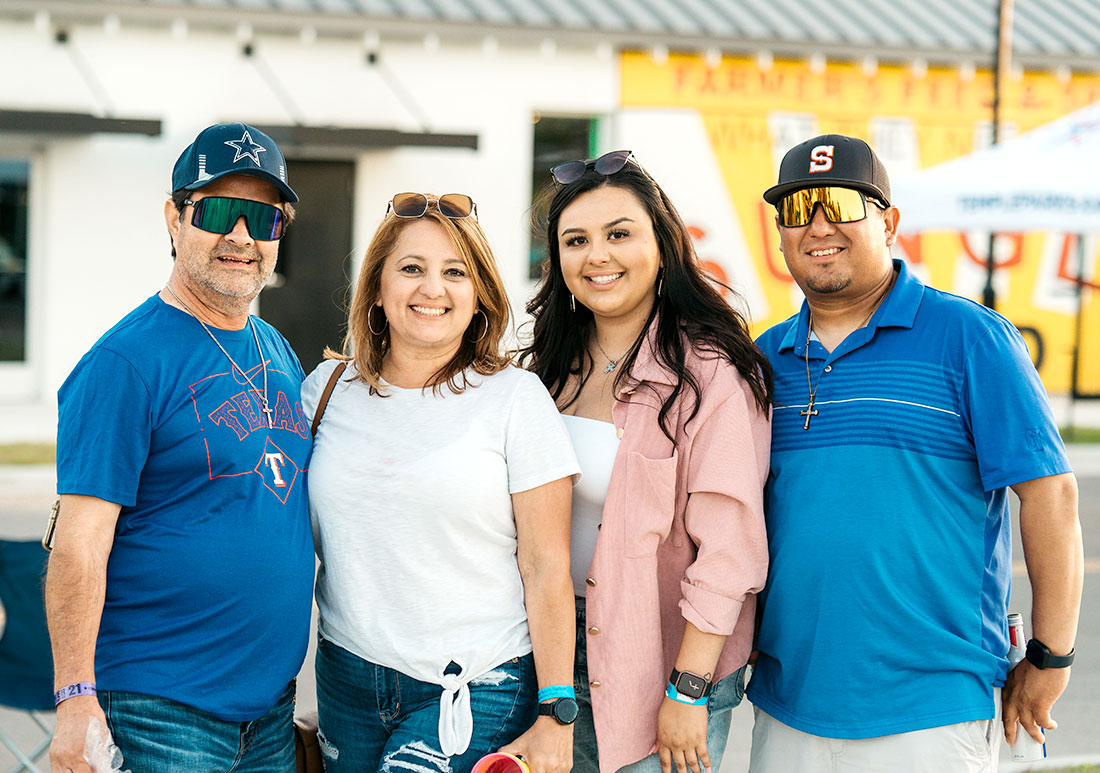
point(1002, 64)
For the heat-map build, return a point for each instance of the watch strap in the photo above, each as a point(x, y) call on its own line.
point(1040, 656)
point(564, 710)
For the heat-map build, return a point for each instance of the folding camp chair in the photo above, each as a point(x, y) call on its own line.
point(26, 666)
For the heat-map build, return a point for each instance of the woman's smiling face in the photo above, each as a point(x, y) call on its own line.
point(608, 251)
point(426, 292)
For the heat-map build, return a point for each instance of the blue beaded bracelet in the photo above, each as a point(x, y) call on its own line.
point(557, 691)
point(679, 697)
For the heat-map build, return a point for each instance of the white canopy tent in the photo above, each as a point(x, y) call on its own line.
point(1047, 179)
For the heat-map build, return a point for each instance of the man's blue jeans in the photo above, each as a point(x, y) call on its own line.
point(157, 735)
point(373, 718)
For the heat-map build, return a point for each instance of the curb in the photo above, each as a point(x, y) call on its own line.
point(1051, 763)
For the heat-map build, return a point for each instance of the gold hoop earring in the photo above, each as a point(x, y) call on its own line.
point(385, 322)
point(572, 303)
point(484, 330)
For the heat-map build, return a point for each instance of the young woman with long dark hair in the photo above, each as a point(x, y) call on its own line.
point(667, 401)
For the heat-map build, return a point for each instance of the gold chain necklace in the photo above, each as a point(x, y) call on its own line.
point(810, 411)
point(263, 363)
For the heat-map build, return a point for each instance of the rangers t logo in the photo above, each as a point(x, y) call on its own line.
point(821, 158)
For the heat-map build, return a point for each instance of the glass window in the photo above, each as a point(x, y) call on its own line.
point(557, 140)
point(14, 175)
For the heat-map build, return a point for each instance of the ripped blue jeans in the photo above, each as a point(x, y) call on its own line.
point(373, 718)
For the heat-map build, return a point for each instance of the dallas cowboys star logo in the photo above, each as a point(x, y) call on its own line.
point(246, 148)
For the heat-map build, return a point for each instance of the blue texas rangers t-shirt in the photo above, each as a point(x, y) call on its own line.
point(210, 576)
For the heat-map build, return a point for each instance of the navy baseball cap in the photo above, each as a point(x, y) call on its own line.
point(831, 159)
point(231, 148)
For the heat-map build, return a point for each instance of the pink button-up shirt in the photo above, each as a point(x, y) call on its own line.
point(682, 539)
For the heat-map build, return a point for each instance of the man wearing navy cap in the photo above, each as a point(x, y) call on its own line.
point(179, 587)
point(903, 415)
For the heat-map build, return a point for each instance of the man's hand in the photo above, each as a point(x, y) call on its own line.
point(546, 748)
point(1027, 698)
point(682, 737)
point(67, 748)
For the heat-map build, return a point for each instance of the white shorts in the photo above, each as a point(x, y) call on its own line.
point(966, 747)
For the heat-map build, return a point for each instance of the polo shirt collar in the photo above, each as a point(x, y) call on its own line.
point(899, 309)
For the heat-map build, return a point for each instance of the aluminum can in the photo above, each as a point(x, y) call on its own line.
point(1026, 748)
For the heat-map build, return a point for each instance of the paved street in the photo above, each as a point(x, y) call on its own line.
point(27, 492)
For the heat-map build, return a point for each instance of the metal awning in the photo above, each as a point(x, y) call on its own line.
point(309, 141)
point(39, 122)
point(340, 142)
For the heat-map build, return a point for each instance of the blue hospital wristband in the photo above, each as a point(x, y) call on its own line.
point(557, 691)
point(679, 697)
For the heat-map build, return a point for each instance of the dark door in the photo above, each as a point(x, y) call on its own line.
point(306, 299)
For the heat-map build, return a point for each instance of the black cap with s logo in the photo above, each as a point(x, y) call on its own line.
point(831, 159)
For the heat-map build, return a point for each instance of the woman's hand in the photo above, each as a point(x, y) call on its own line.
point(547, 747)
point(682, 737)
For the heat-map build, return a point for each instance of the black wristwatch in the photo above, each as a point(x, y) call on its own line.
point(689, 684)
point(564, 710)
point(1040, 656)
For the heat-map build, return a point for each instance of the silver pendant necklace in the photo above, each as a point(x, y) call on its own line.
point(611, 364)
point(263, 362)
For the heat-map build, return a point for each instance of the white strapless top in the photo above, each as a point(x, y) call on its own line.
point(595, 444)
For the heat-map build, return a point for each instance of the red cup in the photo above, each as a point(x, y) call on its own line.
point(501, 762)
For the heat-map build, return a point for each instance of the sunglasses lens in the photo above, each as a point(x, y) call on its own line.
point(409, 204)
point(455, 205)
point(841, 205)
point(610, 163)
point(219, 215)
point(569, 172)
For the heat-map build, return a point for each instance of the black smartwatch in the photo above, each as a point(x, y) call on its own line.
point(689, 684)
point(1040, 656)
point(564, 710)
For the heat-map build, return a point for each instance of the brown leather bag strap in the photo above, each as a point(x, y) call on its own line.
point(323, 402)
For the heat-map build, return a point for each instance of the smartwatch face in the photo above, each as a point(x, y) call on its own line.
point(565, 711)
point(691, 685)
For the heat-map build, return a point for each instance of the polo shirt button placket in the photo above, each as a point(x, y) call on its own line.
point(593, 631)
point(591, 582)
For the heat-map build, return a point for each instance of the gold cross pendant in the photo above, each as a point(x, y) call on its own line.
point(809, 412)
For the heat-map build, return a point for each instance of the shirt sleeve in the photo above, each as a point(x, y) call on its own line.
point(727, 466)
point(538, 449)
point(1008, 413)
point(105, 422)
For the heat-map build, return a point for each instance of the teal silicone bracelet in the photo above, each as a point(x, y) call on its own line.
point(673, 694)
point(557, 691)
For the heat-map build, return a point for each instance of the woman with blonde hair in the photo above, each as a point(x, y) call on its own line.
point(440, 490)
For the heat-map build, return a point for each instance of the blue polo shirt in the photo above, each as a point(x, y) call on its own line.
point(888, 520)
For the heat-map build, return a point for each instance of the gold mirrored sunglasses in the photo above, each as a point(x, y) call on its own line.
point(841, 205)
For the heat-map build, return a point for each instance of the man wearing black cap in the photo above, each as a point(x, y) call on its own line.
point(903, 414)
point(179, 587)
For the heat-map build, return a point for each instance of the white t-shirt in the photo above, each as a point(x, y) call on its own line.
point(410, 498)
